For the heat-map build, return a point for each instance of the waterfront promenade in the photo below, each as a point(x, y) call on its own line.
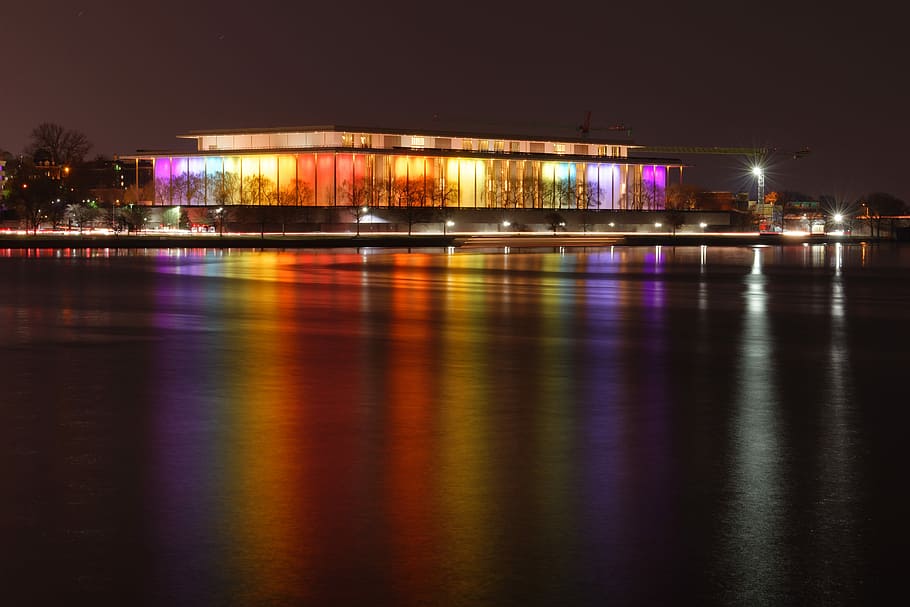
point(398, 240)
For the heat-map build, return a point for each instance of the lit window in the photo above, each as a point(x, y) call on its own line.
point(559, 148)
point(417, 142)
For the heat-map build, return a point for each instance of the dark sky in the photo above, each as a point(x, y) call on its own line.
point(134, 75)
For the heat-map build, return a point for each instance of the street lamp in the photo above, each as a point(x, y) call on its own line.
point(448, 224)
point(760, 200)
point(358, 216)
point(838, 219)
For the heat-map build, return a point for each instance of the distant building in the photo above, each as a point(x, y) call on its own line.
point(326, 166)
point(715, 201)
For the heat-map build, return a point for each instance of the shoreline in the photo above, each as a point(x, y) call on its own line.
point(473, 241)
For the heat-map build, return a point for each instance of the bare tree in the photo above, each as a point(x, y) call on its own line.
point(219, 216)
point(442, 194)
point(566, 193)
point(644, 196)
point(83, 214)
point(226, 188)
point(296, 192)
point(134, 216)
point(878, 206)
point(188, 188)
point(682, 197)
point(358, 194)
point(165, 191)
point(555, 221)
point(411, 198)
point(258, 190)
point(530, 192)
point(55, 211)
point(134, 194)
point(64, 146)
point(674, 219)
point(587, 196)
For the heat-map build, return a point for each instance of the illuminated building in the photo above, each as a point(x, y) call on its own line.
point(326, 166)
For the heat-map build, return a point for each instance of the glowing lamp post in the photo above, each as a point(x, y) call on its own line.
point(760, 179)
point(838, 223)
point(364, 211)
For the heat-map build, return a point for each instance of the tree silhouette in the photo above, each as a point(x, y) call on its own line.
point(83, 214)
point(555, 221)
point(880, 205)
point(134, 216)
point(62, 145)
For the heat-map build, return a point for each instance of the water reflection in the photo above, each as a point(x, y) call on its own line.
point(385, 427)
point(754, 527)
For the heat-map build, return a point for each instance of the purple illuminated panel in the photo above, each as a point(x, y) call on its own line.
point(162, 169)
point(654, 186)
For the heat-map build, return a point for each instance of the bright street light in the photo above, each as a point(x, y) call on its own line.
point(760, 197)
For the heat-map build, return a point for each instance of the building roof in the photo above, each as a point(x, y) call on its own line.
point(642, 160)
point(433, 132)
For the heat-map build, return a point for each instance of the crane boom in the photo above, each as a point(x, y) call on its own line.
point(671, 149)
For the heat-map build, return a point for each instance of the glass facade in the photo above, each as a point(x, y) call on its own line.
point(398, 177)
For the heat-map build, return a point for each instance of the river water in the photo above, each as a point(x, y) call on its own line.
point(623, 426)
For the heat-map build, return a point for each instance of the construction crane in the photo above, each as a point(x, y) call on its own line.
point(691, 149)
point(758, 152)
point(758, 155)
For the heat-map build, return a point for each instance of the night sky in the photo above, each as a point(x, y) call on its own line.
point(134, 75)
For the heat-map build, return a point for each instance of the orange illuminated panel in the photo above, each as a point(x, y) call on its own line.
point(306, 178)
point(344, 176)
point(325, 179)
point(287, 174)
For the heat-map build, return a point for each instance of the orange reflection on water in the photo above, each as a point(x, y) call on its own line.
point(410, 430)
point(465, 462)
point(267, 512)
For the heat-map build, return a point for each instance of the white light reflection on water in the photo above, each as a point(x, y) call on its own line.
point(753, 529)
point(835, 516)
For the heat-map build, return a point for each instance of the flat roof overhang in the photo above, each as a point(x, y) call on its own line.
point(336, 128)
